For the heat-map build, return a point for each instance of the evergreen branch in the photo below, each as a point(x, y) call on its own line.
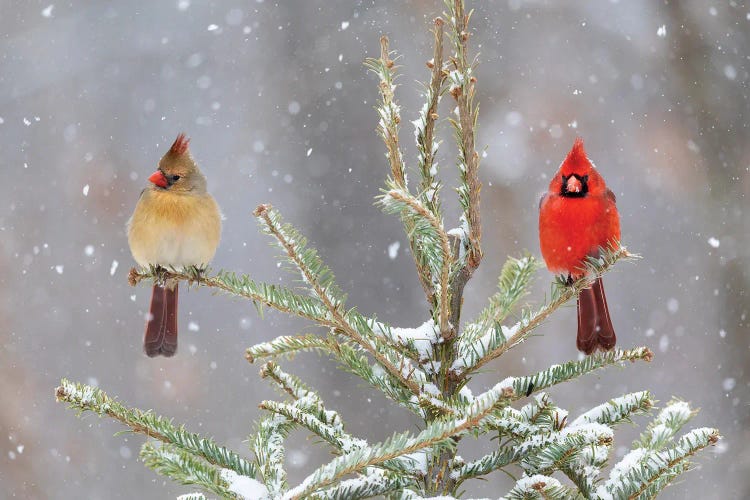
point(424, 126)
point(539, 487)
point(541, 450)
point(308, 402)
point(498, 459)
point(584, 472)
point(355, 362)
point(245, 487)
point(320, 281)
point(87, 398)
point(372, 484)
point(313, 271)
point(510, 422)
point(463, 84)
point(435, 436)
point(542, 413)
point(268, 446)
point(431, 240)
point(494, 343)
point(512, 285)
point(276, 297)
point(559, 450)
point(644, 466)
point(406, 345)
point(330, 433)
point(558, 374)
point(389, 113)
point(666, 424)
point(643, 475)
point(291, 384)
point(388, 110)
point(185, 468)
point(618, 409)
point(286, 345)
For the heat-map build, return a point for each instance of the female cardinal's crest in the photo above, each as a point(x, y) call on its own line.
point(180, 145)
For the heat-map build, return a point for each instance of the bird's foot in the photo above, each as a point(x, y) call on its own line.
point(196, 273)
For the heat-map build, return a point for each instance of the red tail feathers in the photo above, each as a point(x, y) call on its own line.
point(594, 324)
point(161, 328)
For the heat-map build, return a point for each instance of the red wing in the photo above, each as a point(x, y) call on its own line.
point(611, 196)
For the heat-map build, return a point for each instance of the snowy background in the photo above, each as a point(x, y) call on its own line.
point(279, 108)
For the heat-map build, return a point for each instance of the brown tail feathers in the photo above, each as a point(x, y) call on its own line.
point(161, 327)
point(594, 324)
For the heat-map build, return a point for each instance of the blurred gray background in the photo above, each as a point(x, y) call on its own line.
point(279, 108)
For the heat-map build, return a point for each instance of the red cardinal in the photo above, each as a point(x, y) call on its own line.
point(576, 217)
point(176, 223)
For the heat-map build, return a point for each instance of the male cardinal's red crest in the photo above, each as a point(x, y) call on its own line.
point(578, 215)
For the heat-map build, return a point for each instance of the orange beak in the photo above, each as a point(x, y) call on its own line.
point(158, 179)
point(573, 185)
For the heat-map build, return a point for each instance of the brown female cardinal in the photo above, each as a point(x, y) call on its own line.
point(576, 217)
point(176, 223)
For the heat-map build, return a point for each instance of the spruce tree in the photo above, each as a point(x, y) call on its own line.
point(426, 370)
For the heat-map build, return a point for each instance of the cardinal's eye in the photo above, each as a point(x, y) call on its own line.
point(585, 178)
point(175, 178)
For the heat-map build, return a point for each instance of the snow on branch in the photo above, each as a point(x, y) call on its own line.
point(462, 87)
point(185, 468)
point(558, 374)
point(374, 483)
point(87, 398)
point(401, 446)
point(669, 421)
point(320, 280)
point(643, 473)
point(430, 240)
point(388, 110)
point(618, 409)
point(539, 487)
point(424, 126)
point(268, 447)
point(496, 340)
point(286, 346)
point(353, 360)
point(513, 282)
point(308, 410)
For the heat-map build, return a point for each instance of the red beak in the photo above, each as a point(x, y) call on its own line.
point(158, 179)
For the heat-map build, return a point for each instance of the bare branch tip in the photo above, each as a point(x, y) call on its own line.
point(133, 277)
point(261, 209)
point(648, 355)
point(265, 370)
